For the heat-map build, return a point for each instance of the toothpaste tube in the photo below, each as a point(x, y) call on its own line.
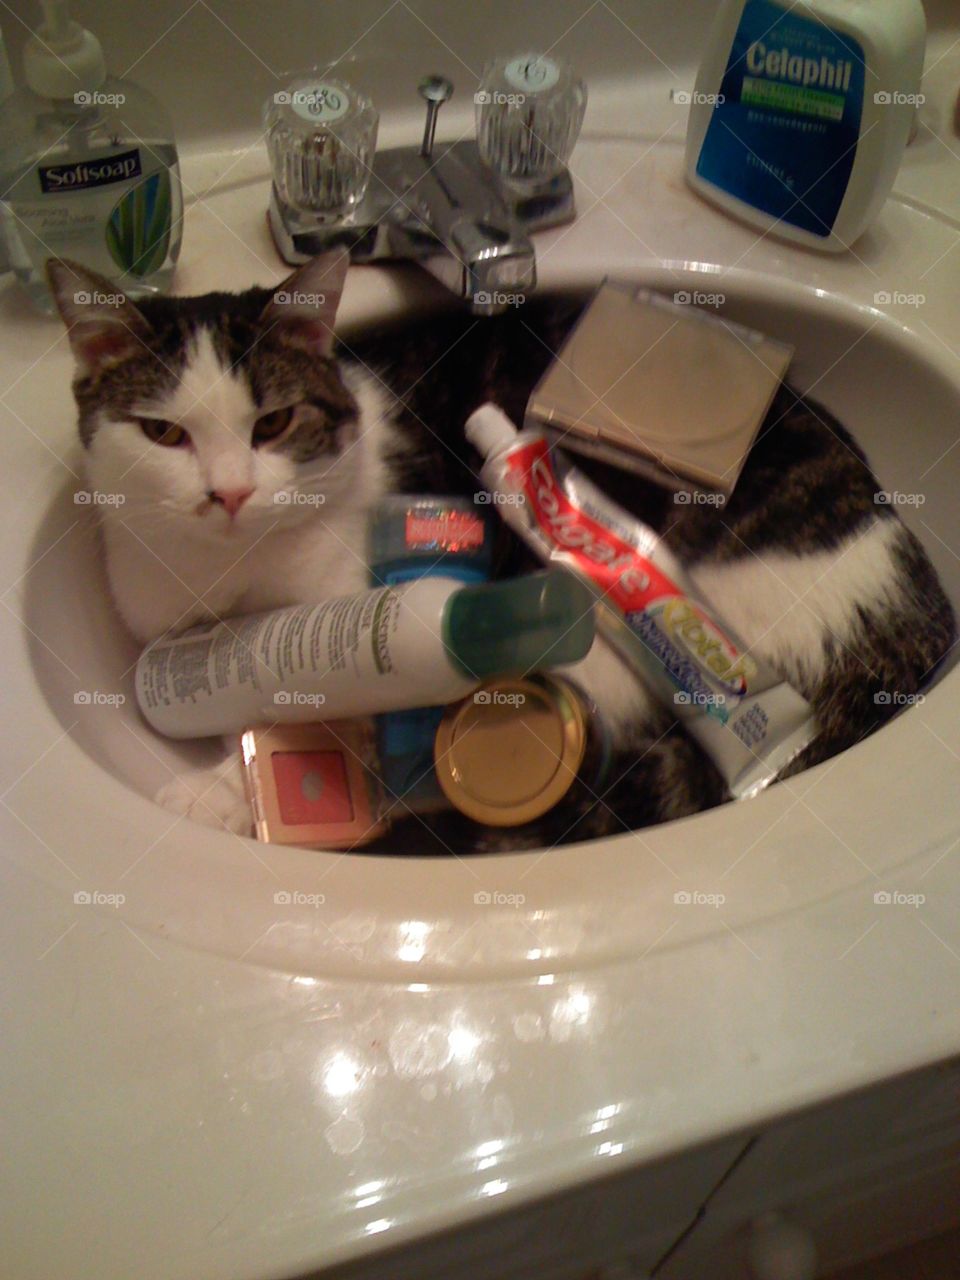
point(749, 721)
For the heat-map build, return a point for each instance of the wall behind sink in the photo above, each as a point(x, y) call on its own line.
point(212, 62)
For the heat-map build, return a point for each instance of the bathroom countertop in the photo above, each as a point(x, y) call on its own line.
point(199, 1084)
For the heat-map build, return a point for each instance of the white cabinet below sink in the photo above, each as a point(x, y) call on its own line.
point(863, 1175)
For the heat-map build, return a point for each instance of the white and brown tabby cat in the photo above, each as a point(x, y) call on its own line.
point(250, 447)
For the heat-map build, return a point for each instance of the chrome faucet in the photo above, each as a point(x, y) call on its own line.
point(467, 222)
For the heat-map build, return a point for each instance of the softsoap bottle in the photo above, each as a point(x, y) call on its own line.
point(802, 110)
point(88, 167)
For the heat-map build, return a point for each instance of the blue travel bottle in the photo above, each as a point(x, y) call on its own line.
point(420, 536)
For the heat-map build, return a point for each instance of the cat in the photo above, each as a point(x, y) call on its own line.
point(250, 447)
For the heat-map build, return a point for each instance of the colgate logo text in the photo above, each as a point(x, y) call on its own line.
point(571, 530)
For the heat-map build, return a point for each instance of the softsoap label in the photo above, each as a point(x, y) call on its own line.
point(783, 134)
point(83, 174)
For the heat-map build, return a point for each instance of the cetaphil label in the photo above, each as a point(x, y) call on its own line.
point(783, 137)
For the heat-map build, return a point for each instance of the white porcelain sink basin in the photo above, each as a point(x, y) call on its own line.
point(584, 905)
point(386, 994)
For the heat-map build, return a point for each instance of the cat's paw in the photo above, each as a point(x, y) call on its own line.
point(213, 796)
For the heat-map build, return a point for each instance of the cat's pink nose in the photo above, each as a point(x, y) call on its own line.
point(230, 499)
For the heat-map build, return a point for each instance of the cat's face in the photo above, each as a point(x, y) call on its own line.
point(219, 417)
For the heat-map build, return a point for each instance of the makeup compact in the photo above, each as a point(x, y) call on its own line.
point(313, 784)
point(660, 387)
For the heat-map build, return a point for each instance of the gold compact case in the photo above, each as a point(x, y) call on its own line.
point(660, 386)
point(512, 750)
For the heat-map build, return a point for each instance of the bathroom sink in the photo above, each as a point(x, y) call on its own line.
point(873, 374)
point(485, 1002)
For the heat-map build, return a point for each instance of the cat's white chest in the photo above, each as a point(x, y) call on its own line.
point(313, 563)
point(190, 582)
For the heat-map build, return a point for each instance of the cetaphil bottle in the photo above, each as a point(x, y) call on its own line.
point(801, 112)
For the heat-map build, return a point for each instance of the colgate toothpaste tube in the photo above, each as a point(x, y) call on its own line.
point(749, 721)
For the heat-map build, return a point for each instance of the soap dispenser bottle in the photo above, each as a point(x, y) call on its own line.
point(88, 167)
point(801, 113)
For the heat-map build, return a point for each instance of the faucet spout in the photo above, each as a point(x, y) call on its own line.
point(479, 249)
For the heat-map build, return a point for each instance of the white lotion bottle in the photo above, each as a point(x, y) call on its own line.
point(801, 113)
point(418, 644)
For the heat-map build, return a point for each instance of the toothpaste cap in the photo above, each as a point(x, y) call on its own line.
point(519, 624)
point(489, 430)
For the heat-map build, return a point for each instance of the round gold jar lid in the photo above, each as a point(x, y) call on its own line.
point(511, 751)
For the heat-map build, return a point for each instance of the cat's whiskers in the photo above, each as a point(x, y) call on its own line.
point(157, 517)
point(312, 481)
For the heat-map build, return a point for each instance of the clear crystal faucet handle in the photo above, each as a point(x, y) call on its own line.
point(321, 136)
point(529, 109)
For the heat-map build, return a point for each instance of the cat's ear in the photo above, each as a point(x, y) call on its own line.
point(103, 325)
point(304, 306)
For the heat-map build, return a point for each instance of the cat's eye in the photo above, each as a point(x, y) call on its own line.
point(272, 425)
point(162, 432)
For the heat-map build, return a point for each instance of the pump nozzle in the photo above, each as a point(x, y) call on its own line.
point(62, 59)
point(57, 22)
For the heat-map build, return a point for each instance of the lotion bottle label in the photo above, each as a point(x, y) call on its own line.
point(784, 131)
